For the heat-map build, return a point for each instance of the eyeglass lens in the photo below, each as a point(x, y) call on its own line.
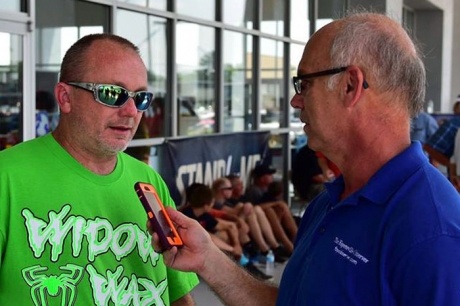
point(117, 96)
point(298, 86)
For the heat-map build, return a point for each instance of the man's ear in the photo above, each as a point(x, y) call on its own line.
point(355, 85)
point(61, 91)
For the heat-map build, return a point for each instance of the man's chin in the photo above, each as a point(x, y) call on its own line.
point(311, 143)
point(117, 147)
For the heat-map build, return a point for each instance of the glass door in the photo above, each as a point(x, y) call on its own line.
point(16, 101)
point(11, 89)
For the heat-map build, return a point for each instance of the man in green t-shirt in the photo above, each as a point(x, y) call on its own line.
point(72, 230)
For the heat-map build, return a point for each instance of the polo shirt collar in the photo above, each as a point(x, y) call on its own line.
point(386, 181)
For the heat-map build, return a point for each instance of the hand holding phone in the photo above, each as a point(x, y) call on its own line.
point(157, 215)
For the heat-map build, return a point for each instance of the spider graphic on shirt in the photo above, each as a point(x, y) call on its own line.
point(53, 285)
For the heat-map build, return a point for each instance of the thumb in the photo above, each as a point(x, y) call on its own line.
point(176, 216)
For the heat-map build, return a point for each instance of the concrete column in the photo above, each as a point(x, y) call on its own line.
point(429, 32)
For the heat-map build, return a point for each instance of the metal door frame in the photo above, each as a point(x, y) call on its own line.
point(22, 24)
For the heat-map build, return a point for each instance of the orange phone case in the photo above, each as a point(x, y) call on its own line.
point(157, 215)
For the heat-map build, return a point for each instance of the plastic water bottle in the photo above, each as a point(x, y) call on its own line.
point(270, 263)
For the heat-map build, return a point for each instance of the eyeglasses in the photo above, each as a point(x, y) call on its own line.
point(116, 96)
point(297, 80)
point(226, 188)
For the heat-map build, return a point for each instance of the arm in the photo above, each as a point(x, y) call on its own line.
point(452, 170)
point(229, 216)
point(221, 244)
point(436, 155)
point(454, 163)
point(199, 254)
point(232, 210)
point(225, 225)
point(455, 180)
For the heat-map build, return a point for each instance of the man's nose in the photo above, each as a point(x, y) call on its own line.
point(297, 101)
point(129, 108)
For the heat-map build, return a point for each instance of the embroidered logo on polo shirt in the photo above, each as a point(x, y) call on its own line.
point(348, 252)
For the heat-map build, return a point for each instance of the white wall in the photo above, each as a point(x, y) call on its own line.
point(394, 9)
point(455, 53)
point(447, 90)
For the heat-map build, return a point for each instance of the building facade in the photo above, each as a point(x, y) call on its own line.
point(215, 66)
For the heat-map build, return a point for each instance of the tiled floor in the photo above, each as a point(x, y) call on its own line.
point(204, 296)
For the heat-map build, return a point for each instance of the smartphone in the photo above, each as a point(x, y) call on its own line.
point(157, 215)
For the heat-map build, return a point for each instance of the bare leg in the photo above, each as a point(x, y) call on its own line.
point(256, 232)
point(239, 235)
point(265, 227)
point(222, 244)
point(288, 222)
point(286, 218)
point(278, 230)
point(243, 230)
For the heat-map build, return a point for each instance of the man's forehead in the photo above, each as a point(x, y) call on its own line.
point(316, 54)
point(313, 61)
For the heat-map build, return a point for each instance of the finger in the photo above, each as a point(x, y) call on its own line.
point(160, 251)
point(169, 256)
point(156, 243)
point(177, 217)
point(149, 227)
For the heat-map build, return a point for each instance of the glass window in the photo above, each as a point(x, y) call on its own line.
point(11, 91)
point(297, 135)
point(271, 90)
point(55, 33)
point(237, 82)
point(272, 17)
point(239, 13)
point(195, 59)
point(156, 4)
point(149, 34)
point(408, 20)
point(13, 5)
point(300, 23)
point(205, 9)
point(328, 10)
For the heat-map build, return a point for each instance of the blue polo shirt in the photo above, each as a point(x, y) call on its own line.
point(396, 241)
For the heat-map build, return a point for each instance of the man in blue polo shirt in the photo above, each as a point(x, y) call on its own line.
point(386, 232)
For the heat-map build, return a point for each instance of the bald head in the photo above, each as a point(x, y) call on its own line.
point(382, 49)
point(76, 61)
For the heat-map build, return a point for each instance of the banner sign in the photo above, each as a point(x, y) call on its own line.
point(204, 159)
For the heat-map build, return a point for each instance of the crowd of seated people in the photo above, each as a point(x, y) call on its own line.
point(277, 211)
point(259, 227)
point(244, 230)
point(227, 235)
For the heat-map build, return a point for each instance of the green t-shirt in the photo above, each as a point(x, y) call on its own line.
point(71, 237)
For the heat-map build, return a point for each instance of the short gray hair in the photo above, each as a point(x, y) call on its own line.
point(74, 64)
point(392, 67)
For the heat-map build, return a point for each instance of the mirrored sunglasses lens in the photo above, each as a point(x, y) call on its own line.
point(143, 100)
point(112, 95)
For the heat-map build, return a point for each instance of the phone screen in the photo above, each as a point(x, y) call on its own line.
point(156, 208)
point(157, 214)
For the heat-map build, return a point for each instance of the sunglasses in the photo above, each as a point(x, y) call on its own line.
point(116, 96)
